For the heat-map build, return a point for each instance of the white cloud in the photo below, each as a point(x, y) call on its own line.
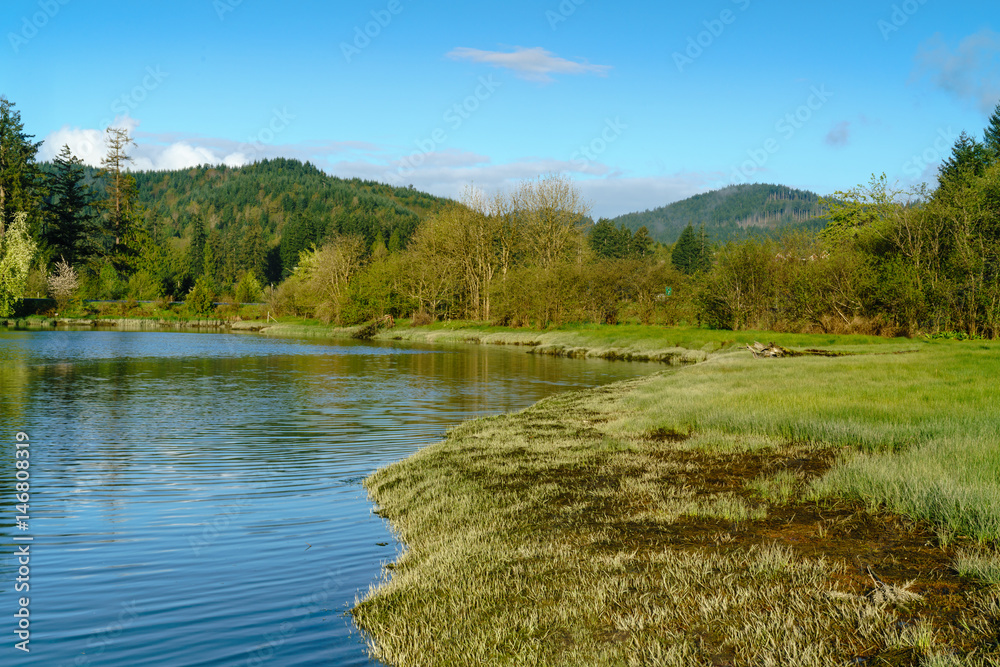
point(971, 71)
point(174, 150)
point(88, 145)
point(533, 64)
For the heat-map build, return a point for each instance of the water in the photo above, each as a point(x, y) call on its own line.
point(196, 499)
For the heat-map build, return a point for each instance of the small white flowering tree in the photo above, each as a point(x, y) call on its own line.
point(63, 283)
point(17, 249)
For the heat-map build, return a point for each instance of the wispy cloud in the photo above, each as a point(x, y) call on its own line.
point(840, 135)
point(970, 72)
point(612, 193)
point(533, 64)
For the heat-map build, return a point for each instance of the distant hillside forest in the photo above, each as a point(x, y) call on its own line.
point(738, 211)
point(284, 204)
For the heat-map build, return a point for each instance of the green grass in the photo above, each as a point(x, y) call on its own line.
point(630, 524)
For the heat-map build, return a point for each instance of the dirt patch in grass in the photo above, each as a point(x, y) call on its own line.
point(869, 551)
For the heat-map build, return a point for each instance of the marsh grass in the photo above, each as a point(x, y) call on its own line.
point(726, 513)
point(779, 487)
point(980, 565)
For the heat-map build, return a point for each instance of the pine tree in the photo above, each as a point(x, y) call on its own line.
point(992, 135)
point(71, 229)
point(703, 254)
point(692, 252)
point(640, 244)
point(684, 255)
point(196, 251)
point(395, 244)
point(608, 241)
point(968, 158)
point(255, 252)
point(21, 184)
point(122, 214)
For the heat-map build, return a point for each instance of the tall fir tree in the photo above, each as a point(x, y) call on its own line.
point(969, 158)
point(640, 246)
point(196, 251)
point(121, 210)
point(992, 135)
point(255, 252)
point(71, 229)
point(21, 183)
point(692, 252)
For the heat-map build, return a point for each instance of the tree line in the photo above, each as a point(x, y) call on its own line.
point(887, 261)
point(116, 233)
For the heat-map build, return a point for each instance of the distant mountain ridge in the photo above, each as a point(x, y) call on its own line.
point(733, 212)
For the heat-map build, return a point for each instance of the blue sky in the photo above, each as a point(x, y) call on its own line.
point(641, 103)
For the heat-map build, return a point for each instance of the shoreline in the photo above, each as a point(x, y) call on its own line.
point(687, 517)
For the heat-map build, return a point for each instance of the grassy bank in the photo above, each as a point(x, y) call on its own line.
point(632, 342)
point(798, 511)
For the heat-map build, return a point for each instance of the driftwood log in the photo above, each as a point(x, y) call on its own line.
point(759, 350)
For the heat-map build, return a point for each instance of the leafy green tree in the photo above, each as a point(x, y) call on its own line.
point(860, 213)
point(17, 249)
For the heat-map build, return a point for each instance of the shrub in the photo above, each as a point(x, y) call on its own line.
point(201, 297)
point(63, 284)
point(248, 289)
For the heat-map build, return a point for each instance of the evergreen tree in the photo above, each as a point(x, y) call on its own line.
point(992, 135)
point(122, 214)
point(21, 185)
point(255, 252)
point(196, 251)
point(71, 227)
point(640, 246)
point(969, 158)
point(683, 255)
point(213, 248)
point(609, 241)
point(395, 244)
point(692, 252)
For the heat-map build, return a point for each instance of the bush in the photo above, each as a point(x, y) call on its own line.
point(144, 286)
point(201, 297)
point(63, 284)
point(248, 289)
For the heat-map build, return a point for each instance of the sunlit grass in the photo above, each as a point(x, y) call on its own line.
point(536, 538)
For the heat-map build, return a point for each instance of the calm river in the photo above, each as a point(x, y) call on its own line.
point(196, 499)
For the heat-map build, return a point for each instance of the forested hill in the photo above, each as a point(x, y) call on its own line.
point(734, 212)
point(279, 199)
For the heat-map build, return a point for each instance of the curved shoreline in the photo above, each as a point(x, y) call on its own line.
point(680, 519)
